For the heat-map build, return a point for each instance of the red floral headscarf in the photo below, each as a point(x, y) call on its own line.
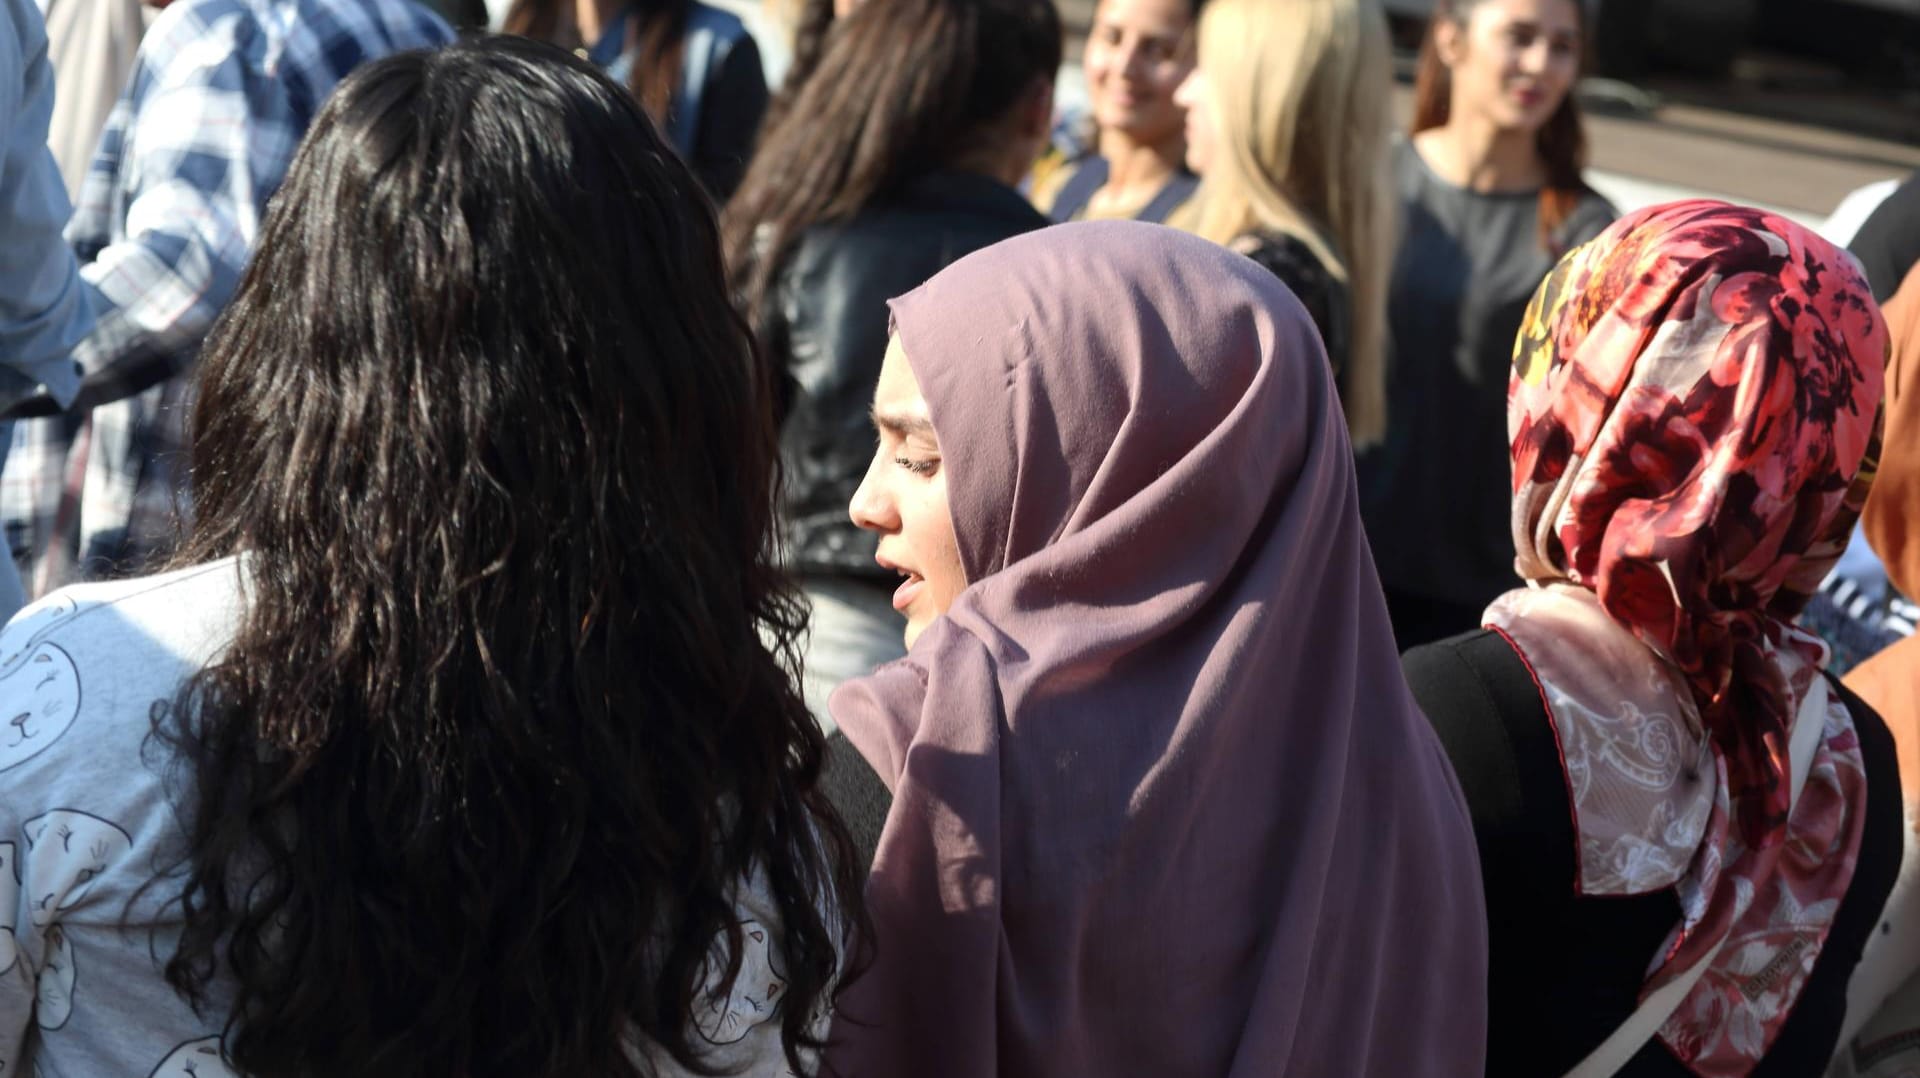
point(1694, 398)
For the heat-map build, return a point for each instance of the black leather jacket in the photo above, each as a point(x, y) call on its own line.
point(827, 321)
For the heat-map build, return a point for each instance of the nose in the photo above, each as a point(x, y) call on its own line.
point(1536, 57)
point(1183, 94)
point(872, 507)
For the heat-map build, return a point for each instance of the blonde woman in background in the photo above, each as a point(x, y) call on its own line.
point(1287, 118)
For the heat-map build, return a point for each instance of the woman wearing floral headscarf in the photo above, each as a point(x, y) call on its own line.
point(1687, 829)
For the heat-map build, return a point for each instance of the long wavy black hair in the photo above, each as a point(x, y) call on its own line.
point(510, 710)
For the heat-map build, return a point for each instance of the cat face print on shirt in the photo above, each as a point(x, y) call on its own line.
point(39, 687)
point(55, 985)
point(725, 1013)
point(67, 850)
point(30, 625)
point(195, 1059)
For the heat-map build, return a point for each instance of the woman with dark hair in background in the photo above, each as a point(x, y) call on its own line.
point(1492, 195)
point(694, 68)
point(477, 761)
point(1138, 52)
point(900, 155)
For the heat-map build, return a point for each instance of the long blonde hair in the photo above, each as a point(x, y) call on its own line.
point(1299, 92)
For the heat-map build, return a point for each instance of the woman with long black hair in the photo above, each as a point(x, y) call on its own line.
point(897, 156)
point(451, 745)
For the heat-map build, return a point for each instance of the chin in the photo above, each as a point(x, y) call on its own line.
point(1117, 117)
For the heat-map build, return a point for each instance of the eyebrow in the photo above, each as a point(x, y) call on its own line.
point(903, 425)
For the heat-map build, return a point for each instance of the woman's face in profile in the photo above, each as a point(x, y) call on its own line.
point(903, 499)
point(1201, 133)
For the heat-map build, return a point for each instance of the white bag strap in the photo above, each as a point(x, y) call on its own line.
point(1641, 1026)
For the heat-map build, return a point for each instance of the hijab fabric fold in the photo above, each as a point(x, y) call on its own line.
point(1163, 802)
point(1694, 397)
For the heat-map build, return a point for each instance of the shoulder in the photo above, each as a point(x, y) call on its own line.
point(191, 36)
point(108, 648)
point(22, 34)
point(1486, 706)
point(1284, 255)
point(1410, 172)
point(191, 41)
point(721, 23)
point(336, 35)
point(1590, 217)
point(1455, 679)
point(81, 672)
point(182, 616)
point(1056, 170)
point(1296, 265)
point(932, 222)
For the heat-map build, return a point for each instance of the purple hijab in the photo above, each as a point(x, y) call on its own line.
point(1162, 801)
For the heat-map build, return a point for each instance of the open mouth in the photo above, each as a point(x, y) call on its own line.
point(908, 591)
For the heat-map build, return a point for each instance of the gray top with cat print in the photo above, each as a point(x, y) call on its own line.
point(85, 820)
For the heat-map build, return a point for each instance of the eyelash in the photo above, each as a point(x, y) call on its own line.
point(917, 467)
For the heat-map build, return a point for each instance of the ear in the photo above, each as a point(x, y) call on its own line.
point(1449, 40)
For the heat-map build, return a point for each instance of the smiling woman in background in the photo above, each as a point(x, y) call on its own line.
point(1137, 54)
point(1492, 195)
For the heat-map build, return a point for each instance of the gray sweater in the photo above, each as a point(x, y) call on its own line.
point(1435, 494)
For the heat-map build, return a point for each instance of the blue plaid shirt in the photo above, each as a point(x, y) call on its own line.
point(221, 93)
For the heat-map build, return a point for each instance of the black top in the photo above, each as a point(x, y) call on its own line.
point(1325, 299)
point(1566, 970)
point(857, 794)
point(825, 322)
point(1888, 243)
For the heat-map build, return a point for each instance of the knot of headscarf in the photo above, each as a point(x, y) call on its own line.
point(1694, 398)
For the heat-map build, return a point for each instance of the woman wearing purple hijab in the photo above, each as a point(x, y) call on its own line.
point(1161, 801)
